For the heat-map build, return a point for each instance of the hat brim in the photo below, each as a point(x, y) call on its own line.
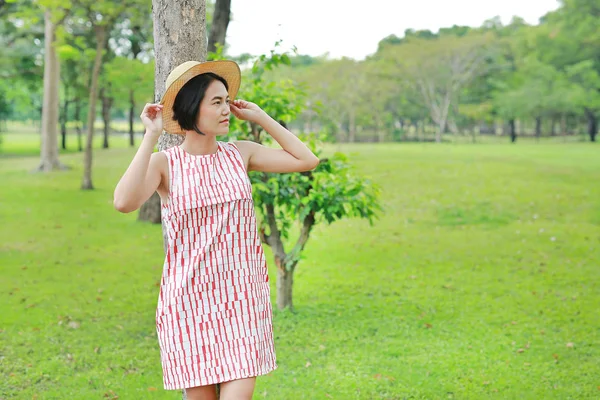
point(228, 70)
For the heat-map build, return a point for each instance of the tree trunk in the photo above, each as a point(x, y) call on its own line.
point(131, 117)
point(64, 119)
point(179, 36)
point(592, 124)
point(553, 126)
point(538, 127)
point(512, 130)
point(380, 130)
point(285, 283)
point(86, 183)
point(49, 146)
point(352, 127)
point(78, 122)
point(440, 131)
point(106, 106)
point(220, 21)
point(150, 211)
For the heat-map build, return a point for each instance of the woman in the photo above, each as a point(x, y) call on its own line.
point(214, 316)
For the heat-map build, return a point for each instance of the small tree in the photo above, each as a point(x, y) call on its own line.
point(289, 206)
point(101, 15)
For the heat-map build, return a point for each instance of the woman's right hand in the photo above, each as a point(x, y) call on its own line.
point(152, 119)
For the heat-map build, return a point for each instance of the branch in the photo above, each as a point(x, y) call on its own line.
point(307, 225)
point(274, 236)
point(264, 237)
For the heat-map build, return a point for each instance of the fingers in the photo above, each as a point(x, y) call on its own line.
point(235, 110)
point(240, 103)
point(151, 110)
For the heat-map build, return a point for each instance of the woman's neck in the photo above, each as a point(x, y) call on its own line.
point(199, 145)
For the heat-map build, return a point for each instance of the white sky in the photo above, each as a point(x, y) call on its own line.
point(353, 28)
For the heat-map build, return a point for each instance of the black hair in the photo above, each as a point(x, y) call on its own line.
point(187, 102)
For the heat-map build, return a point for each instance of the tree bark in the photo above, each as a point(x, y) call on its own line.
point(150, 212)
point(513, 130)
point(284, 286)
point(64, 119)
point(284, 274)
point(86, 183)
point(538, 127)
point(78, 122)
point(179, 36)
point(592, 124)
point(49, 146)
point(131, 117)
point(220, 21)
point(106, 106)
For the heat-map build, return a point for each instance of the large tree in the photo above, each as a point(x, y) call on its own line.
point(179, 36)
point(54, 15)
point(441, 68)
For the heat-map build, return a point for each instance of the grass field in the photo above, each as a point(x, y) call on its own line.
point(480, 282)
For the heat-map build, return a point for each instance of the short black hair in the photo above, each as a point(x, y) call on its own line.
point(187, 102)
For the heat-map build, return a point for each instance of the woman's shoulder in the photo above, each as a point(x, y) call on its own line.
point(240, 150)
point(160, 160)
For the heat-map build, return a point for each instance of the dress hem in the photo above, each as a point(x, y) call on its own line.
point(197, 383)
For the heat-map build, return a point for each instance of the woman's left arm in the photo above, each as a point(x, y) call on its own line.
point(294, 156)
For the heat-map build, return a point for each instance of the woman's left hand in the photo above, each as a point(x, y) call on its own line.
point(246, 111)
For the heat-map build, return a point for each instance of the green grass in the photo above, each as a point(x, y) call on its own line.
point(479, 282)
point(20, 144)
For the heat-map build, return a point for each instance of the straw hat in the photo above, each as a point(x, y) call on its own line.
point(226, 69)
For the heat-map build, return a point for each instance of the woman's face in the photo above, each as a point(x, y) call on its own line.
point(213, 118)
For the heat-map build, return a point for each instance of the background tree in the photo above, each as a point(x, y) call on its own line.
point(132, 40)
point(55, 13)
point(21, 46)
point(131, 82)
point(102, 16)
point(440, 68)
point(77, 57)
point(219, 24)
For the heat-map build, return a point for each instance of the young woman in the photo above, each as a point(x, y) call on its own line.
point(214, 316)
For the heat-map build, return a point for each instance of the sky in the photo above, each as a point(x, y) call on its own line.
point(317, 27)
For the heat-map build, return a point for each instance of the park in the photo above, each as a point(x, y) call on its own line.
point(446, 246)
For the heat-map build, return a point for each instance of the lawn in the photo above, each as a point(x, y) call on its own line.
point(480, 281)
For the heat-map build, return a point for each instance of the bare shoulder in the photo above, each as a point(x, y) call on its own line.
point(246, 148)
point(159, 161)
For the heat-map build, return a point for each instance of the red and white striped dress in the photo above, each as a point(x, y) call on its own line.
point(214, 316)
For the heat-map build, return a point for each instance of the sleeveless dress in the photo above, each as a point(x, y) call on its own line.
point(214, 315)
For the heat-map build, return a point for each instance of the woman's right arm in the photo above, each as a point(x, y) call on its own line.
point(144, 175)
